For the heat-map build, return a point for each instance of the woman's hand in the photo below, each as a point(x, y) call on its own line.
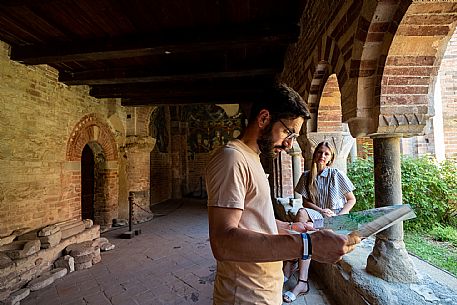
point(327, 213)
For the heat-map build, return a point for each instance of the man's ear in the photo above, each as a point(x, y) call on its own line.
point(263, 119)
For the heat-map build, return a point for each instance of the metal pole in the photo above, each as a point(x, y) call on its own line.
point(131, 197)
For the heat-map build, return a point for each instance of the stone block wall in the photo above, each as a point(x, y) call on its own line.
point(38, 185)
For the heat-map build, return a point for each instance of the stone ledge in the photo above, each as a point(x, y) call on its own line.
point(348, 283)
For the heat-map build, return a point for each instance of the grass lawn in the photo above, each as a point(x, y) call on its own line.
point(440, 254)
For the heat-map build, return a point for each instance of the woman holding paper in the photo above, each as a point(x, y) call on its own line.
point(326, 192)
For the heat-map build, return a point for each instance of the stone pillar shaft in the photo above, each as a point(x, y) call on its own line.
point(389, 259)
point(137, 153)
point(387, 179)
point(295, 153)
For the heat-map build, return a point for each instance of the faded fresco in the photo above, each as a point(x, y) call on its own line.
point(159, 130)
point(210, 127)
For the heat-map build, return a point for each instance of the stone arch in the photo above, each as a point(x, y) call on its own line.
point(94, 132)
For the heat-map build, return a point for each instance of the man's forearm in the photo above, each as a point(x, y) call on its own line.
point(248, 246)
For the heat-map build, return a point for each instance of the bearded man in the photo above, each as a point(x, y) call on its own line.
point(247, 241)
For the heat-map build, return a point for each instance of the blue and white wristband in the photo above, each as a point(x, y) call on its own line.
point(307, 247)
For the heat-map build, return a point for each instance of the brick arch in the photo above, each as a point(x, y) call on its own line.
point(354, 44)
point(372, 40)
point(408, 81)
point(97, 134)
point(317, 83)
point(91, 128)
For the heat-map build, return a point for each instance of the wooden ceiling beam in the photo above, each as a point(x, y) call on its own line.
point(165, 42)
point(104, 77)
point(234, 98)
point(170, 94)
point(197, 89)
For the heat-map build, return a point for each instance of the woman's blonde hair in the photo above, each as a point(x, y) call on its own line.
point(311, 186)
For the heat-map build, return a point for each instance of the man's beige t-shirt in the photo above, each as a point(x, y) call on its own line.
point(235, 179)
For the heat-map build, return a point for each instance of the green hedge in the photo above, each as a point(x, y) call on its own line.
point(430, 188)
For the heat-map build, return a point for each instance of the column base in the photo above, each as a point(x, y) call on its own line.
point(390, 261)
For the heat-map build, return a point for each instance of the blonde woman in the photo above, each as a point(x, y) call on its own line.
point(326, 192)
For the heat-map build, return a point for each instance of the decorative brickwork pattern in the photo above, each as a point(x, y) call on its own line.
point(91, 128)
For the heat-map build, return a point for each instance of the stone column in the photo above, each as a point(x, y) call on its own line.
point(296, 153)
point(389, 259)
point(137, 153)
point(341, 141)
point(353, 151)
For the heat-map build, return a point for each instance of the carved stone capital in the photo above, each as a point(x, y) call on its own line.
point(410, 124)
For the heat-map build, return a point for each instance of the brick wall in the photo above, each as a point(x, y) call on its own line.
point(329, 118)
point(287, 175)
point(448, 73)
point(161, 176)
point(38, 184)
point(197, 172)
point(364, 147)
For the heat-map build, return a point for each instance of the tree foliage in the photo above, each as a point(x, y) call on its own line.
point(429, 187)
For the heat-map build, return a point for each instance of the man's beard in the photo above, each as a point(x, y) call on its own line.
point(265, 142)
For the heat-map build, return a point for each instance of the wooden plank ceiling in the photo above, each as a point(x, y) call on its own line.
point(155, 52)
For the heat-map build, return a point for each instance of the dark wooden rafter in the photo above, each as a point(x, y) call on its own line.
point(229, 64)
point(16, 3)
point(238, 97)
point(165, 52)
point(102, 77)
point(149, 44)
point(214, 87)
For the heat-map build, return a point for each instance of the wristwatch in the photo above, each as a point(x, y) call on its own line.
point(307, 247)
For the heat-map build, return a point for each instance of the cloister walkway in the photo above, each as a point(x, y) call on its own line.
point(170, 262)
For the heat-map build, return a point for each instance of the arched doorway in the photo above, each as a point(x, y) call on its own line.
point(87, 183)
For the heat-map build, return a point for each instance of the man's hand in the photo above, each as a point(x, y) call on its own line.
point(329, 247)
point(302, 226)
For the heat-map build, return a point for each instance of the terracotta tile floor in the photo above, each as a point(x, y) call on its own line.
point(170, 262)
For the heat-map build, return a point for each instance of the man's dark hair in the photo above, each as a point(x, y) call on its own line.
point(282, 102)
